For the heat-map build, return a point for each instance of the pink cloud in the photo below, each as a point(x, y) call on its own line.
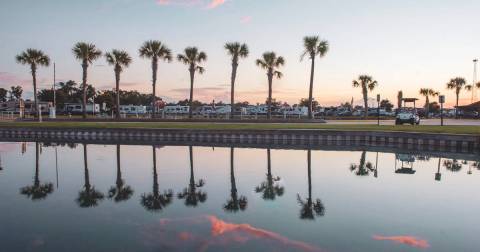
point(246, 19)
point(215, 3)
point(407, 240)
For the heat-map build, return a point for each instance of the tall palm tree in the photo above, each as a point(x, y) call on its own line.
point(192, 57)
point(86, 53)
point(236, 51)
point(89, 196)
point(156, 201)
point(37, 191)
point(191, 195)
point(34, 58)
point(471, 88)
point(271, 62)
point(119, 60)
point(155, 50)
point(120, 192)
point(366, 83)
point(310, 208)
point(313, 46)
point(427, 92)
point(271, 187)
point(234, 204)
point(363, 168)
point(456, 84)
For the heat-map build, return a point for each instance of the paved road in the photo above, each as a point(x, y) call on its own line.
point(422, 122)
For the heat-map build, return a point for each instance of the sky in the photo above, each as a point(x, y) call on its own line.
point(404, 45)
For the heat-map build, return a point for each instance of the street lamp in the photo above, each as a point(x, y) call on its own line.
point(441, 100)
point(378, 109)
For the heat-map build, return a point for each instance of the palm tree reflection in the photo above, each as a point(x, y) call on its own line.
point(37, 191)
point(452, 165)
point(310, 208)
point(191, 195)
point(363, 168)
point(271, 187)
point(88, 197)
point(234, 204)
point(120, 192)
point(156, 201)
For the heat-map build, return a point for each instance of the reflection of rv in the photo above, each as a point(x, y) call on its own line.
point(176, 109)
point(77, 108)
point(133, 110)
point(406, 163)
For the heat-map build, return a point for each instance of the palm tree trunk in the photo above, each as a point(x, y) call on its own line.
point(85, 163)
point(232, 173)
point(37, 162)
point(310, 93)
point(155, 175)
point(365, 101)
point(192, 77)
point(35, 96)
point(270, 80)
point(269, 164)
point(84, 82)
point(456, 108)
point(119, 171)
point(427, 106)
point(192, 175)
point(309, 154)
point(154, 82)
point(117, 86)
point(232, 92)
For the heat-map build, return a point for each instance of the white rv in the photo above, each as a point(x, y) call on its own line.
point(133, 110)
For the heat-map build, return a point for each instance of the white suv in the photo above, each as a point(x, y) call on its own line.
point(407, 116)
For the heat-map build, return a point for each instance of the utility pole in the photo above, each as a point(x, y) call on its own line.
point(474, 88)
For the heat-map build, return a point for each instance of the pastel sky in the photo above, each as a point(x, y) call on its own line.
point(404, 44)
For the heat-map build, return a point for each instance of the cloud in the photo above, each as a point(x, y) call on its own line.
point(246, 19)
point(215, 3)
point(210, 4)
point(8, 78)
point(407, 240)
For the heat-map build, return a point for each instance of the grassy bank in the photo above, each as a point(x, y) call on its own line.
point(474, 130)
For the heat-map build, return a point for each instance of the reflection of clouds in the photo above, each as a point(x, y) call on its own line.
point(407, 240)
point(205, 233)
point(8, 147)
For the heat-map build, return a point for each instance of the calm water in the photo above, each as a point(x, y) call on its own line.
point(166, 198)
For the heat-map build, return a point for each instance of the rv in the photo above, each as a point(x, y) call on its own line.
point(176, 109)
point(77, 108)
point(133, 110)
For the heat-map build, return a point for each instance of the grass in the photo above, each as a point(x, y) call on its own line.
point(472, 130)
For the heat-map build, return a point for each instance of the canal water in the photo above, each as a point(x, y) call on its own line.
point(85, 197)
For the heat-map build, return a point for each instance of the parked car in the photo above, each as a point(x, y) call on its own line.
point(407, 116)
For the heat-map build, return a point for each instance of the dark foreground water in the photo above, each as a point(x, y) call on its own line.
point(169, 198)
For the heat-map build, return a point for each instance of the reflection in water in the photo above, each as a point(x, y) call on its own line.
point(234, 203)
point(88, 197)
point(120, 192)
point(271, 187)
point(156, 201)
point(406, 163)
point(191, 194)
point(37, 191)
point(309, 208)
point(438, 175)
point(363, 168)
point(452, 165)
point(208, 233)
point(407, 240)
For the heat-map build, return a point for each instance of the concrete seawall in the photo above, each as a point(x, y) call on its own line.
point(279, 138)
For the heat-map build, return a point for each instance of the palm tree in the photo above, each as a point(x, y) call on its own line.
point(155, 50)
point(156, 201)
point(367, 84)
point(88, 197)
point(471, 88)
point(34, 58)
point(452, 165)
point(456, 84)
point(119, 60)
point(234, 204)
point(427, 92)
point(37, 191)
point(86, 53)
point(192, 57)
point(363, 168)
point(190, 194)
point(313, 47)
point(120, 192)
point(399, 99)
point(271, 63)
point(236, 51)
point(271, 187)
point(309, 208)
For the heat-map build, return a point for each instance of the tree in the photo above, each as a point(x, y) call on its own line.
point(236, 51)
point(34, 58)
point(363, 168)
point(155, 50)
point(427, 92)
point(387, 105)
point(119, 192)
point(271, 63)
point(270, 188)
point(309, 207)
point(156, 201)
point(313, 46)
point(305, 102)
point(399, 99)
point(89, 196)
point(192, 57)
point(86, 53)
point(456, 84)
point(235, 203)
point(119, 60)
point(191, 195)
point(471, 87)
point(15, 93)
point(366, 83)
point(3, 94)
point(37, 191)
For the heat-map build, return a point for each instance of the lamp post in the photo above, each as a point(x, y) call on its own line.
point(441, 100)
point(378, 109)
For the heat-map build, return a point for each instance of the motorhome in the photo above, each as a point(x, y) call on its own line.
point(77, 108)
point(133, 109)
point(176, 109)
